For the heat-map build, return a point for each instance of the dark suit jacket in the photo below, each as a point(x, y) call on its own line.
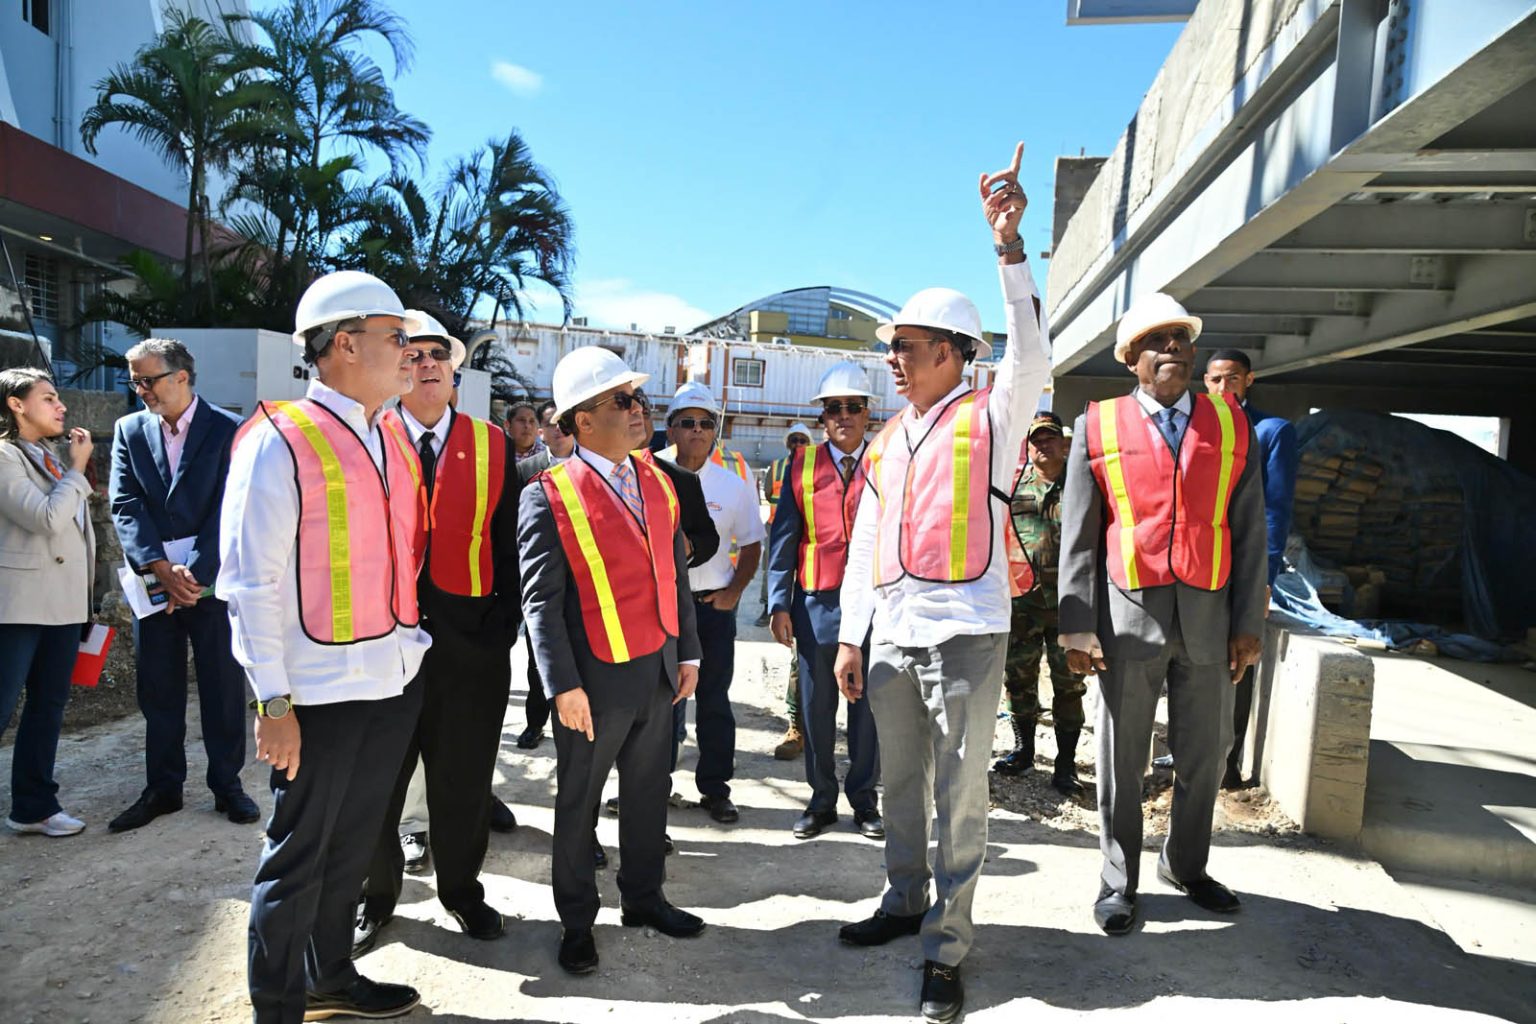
point(151, 506)
point(1277, 438)
point(823, 609)
point(693, 511)
point(558, 637)
point(494, 619)
point(1135, 625)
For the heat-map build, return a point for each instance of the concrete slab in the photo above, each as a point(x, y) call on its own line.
point(1452, 778)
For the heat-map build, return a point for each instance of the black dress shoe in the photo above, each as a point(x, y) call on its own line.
point(1113, 912)
point(721, 809)
point(418, 853)
point(365, 931)
point(530, 738)
point(238, 807)
point(502, 818)
point(373, 1000)
point(880, 929)
point(478, 921)
point(813, 823)
point(599, 855)
point(578, 951)
point(612, 806)
point(667, 844)
point(943, 994)
point(1206, 893)
point(145, 809)
point(871, 825)
point(663, 917)
point(1163, 762)
point(1232, 778)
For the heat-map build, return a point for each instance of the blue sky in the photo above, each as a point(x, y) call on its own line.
point(712, 153)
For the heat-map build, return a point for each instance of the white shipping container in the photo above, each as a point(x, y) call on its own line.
point(237, 367)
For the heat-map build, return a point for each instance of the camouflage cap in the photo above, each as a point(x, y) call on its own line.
point(1048, 422)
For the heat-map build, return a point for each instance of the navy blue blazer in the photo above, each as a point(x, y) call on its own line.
point(1277, 439)
point(151, 506)
point(823, 610)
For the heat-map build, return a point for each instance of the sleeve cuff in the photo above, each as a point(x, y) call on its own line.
point(690, 661)
point(1081, 642)
point(1018, 281)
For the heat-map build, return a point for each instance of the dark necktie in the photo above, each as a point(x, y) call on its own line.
point(1169, 421)
point(428, 461)
point(847, 468)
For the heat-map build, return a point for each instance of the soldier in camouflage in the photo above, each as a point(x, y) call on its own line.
point(1036, 513)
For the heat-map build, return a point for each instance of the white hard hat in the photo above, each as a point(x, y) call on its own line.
point(693, 396)
point(346, 295)
point(1149, 313)
point(842, 380)
point(939, 309)
point(798, 428)
point(428, 326)
point(587, 372)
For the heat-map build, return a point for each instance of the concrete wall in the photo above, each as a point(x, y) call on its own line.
point(1074, 176)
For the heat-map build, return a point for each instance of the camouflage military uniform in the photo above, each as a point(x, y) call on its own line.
point(1036, 510)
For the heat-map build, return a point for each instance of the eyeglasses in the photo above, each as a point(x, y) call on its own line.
point(798, 442)
point(623, 401)
point(148, 383)
point(437, 355)
point(402, 339)
point(838, 408)
point(689, 423)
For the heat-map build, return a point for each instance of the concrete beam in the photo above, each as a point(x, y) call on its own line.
point(1424, 161)
point(1401, 228)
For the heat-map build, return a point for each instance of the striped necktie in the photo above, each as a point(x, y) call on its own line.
point(624, 482)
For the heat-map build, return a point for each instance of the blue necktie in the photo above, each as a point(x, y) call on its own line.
point(1169, 423)
point(624, 482)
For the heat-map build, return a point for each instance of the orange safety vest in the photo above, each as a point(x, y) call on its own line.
point(940, 530)
point(720, 456)
point(828, 506)
point(625, 575)
point(362, 534)
point(471, 470)
point(774, 483)
point(1167, 517)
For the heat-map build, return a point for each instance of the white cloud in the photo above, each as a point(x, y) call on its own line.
point(520, 80)
point(616, 302)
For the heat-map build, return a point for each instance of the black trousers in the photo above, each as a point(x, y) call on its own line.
point(463, 700)
point(162, 670)
point(639, 740)
point(535, 705)
point(1242, 706)
point(319, 840)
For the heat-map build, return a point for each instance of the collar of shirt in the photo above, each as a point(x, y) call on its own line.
point(438, 430)
point(838, 453)
point(917, 426)
point(1153, 408)
point(349, 409)
point(182, 421)
point(596, 461)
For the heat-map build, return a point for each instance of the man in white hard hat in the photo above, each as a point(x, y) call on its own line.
point(927, 571)
point(693, 424)
point(325, 622)
point(611, 623)
point(469, 597)
point(1162, 579)
point(792, 744)
point(808, 553)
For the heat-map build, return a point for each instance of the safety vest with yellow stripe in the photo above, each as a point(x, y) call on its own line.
point(935, 519)
point(827, 506)
point(722, 457)
point(471, 472)
point(362, 534)
point(773, 483)
point(1167, 513)
point(623, 567)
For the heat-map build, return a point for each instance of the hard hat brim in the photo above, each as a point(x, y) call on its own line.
point(632, 377)
point(887, 330)
point(1193, 323)
point(412, 324)
point(842, 393)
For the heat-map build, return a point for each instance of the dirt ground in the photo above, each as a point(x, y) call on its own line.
point(150, 925)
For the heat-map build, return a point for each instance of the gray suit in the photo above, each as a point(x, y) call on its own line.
point(1176, 634)
point(631, 719)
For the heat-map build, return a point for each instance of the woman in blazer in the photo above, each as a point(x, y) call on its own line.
point(47, 551)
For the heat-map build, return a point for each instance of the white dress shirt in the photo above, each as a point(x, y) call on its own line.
point(916, 613)
point(176, 440)
point(438, 430)
point(733, 508)
point(258, 535)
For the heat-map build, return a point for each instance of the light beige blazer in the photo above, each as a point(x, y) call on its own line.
point(46, 559)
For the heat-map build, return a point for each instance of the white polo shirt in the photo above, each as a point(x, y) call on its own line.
point(733, 508)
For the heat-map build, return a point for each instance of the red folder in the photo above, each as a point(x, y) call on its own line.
point(95, 642)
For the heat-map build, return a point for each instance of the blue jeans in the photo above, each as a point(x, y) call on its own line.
point(39, 658)
point(714, 723)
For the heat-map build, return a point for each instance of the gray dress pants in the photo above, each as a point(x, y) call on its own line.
point(936, 711)
point(1199, 736)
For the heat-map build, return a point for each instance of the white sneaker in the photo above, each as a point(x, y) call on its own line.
point(59, 824)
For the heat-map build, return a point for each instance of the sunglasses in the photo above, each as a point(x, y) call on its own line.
point(838, 408)
point(401, 338)
point(624, 401)
point(903, 346)
point(148, 383)
point(437, 355)
point(689, 423)
point(798, 442)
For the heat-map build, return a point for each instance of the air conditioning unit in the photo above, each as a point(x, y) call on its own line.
point(781, 340)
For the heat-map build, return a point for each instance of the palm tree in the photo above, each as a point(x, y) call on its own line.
point(190, 99)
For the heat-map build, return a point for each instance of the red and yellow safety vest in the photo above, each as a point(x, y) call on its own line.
point(774, 484)
point(940, 530)
point(625, 575)
point(471, 471)
point(828, 506)
point(720, 456)
point(1167, 519)
point(1021, 571)
point(361, 534)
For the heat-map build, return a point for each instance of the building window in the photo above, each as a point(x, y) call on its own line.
point(747, 373)
point(42, 287)
point(35, 13)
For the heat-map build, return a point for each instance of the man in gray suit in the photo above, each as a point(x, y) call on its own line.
point(611, 626)
point(1163, 564)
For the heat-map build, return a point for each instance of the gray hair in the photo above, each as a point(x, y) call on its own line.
point(171, 352)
